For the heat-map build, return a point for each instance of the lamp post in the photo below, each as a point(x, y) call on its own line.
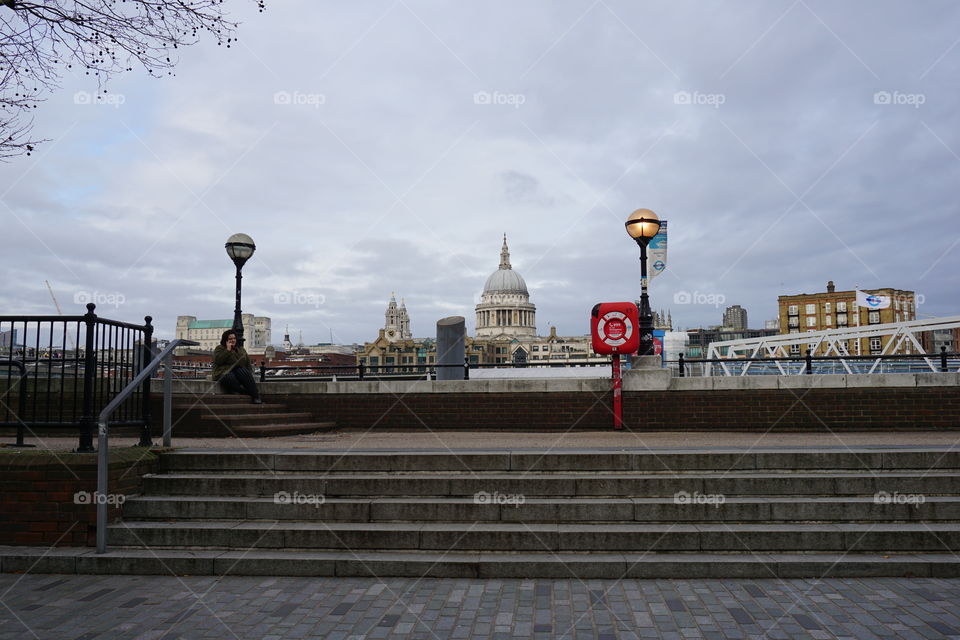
point(642, 225)
point(239, 247)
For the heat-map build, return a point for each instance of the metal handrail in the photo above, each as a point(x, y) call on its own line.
point(21, 399)
point(103, 430)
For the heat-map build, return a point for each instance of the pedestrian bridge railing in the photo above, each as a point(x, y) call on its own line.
point(810, 364)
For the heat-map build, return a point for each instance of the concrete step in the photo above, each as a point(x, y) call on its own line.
point(275, 430)
point(631, 485)
point(652, 461)
point(485, 536)
point(296, 507)
point(237, 406)
point(258, 418)
point(259, 562)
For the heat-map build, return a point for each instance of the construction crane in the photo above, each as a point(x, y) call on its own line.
point(73, 345)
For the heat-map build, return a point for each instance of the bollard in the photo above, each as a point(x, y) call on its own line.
point(451, 349)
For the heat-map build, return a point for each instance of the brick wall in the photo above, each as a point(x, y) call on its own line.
point(38, 491)
point(907, 408)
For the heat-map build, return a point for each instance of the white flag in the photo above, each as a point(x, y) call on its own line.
point(871, 301)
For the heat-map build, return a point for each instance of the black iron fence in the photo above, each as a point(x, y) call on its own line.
point(73, 366)
point(398, 371)
point(809, 364)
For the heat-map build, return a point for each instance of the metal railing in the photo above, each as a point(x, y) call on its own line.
point(810, 364)
point(103, 430)
point(21, 398)
point(75, 365)
point(407, 371)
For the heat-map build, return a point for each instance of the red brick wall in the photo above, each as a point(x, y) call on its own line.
point(752, 410)
point(38, 489)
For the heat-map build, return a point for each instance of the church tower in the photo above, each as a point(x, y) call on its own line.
point(397, 321)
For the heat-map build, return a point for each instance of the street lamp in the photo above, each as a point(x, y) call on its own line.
point(642, 225)
point(240, 248)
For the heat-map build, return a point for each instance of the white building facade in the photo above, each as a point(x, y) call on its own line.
point(505, 309)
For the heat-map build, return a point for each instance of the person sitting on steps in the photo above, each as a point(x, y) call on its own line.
point(232, 368)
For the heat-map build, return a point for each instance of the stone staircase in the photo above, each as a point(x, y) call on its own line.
point(218, 415)
point(808, 512)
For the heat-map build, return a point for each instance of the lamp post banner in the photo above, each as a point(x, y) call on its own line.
point(657, 252)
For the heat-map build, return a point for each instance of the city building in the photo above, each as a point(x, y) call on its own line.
point(933, 341)
point(256, 332)
point(505, 309)
point(397, 325)
point(506, 331)
point(735, 317)
point(700, 339)
point(834, 309)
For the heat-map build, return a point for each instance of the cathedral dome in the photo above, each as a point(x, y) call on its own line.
point(505, 279)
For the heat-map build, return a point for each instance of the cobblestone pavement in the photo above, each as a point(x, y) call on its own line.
point(154, 608)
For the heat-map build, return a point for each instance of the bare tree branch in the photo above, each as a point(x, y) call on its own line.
point(40, 41)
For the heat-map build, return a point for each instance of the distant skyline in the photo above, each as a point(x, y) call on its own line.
point(388, 146)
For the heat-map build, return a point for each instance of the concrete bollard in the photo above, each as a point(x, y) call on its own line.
point(451, 334)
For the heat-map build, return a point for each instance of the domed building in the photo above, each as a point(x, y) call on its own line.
point(505, 310)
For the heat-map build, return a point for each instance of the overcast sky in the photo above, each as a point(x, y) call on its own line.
point(387, 146)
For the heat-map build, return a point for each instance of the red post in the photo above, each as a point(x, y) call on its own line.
point(617, 406)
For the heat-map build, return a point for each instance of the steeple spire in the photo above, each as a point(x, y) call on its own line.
point(505, 255)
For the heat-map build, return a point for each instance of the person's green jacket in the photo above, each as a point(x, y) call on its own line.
point(225, 361)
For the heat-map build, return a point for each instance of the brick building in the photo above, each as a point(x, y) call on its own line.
point(834, 309)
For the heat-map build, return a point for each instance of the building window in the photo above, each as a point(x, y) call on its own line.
point(873, 317)
point(536, 348)
point(829, 320)
point(794, 330)
point(875, 346)
point(793, 321)
point(826, 307)
point(841, 306)
point(811, 309)
point(896, 304)
point(811, 321)
point(793, 310)
point(841, 319)
point(794, 349)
